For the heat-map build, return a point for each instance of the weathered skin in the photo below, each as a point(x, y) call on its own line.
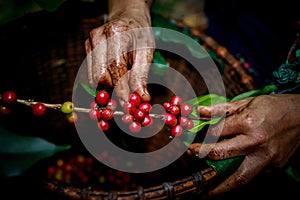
point(265, 129)
point(119, 57)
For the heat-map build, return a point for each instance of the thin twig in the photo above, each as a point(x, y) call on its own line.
point(30, 102)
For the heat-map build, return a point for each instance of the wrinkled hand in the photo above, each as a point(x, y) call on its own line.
point(264, 129)
point(119, 54)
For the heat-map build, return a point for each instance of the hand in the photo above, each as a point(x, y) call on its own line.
point(120, 52)
point(264, 129)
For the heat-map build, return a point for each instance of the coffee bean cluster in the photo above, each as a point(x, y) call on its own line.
point(136, 113)
point(102, 109)
point(176, 116)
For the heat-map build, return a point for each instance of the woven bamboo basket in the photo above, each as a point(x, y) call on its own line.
point(41, 54)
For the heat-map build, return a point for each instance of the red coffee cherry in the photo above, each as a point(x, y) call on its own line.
point(139, 115)
point(186, 109)
point(145, 107)
point(183, 121)
point(9, 97)
point(93, 105)
point(147, 121)
point(4, 110)
point(167, 106)
point(170, 120)
point(112, 104)
point(190, 124)
point(127, 118)
point(103, 125)
point(176, 131)
point(135, 99)
point(135, 127)
point(95, 114)
point(102, 98)
point(175, 110)
point(176, 100)
point(39, 109)
point(107, 114)
point(129, 107)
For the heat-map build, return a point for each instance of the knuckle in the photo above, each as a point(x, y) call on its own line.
point(93, 33)
point(87, 43)
point(241, 180)
point(250, 119)
point(216, 153)
point(115, 27)
point(150, 55)
point(259, 138)
point(215, 131)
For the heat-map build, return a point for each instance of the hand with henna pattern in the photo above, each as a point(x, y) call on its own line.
point(264, 129)
point(120, 52)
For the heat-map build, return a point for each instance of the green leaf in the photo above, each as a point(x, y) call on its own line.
point(266, 90)
point(247, 94)
point(159, 21)
point(298, 53)
point(89, 90)
point(158, 58)
point(199, 124)
point(269, 88)
point(226, 166)
point(18, 153)
point(205, 100)
point(293, 172)
point(189, 138)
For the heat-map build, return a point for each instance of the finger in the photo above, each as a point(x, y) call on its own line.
point(117, 44)
point(249, 168)
point(122, 89)
point(237, 146)
point(229, 126)
point(227, 108)
point(100, 72)
point(117, 57)
point(213, 110)
point(88, 50)
point(193, 149)
point(139, 73)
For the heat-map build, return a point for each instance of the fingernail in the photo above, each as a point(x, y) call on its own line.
point(202, 153)
point(189, 152)
point(145, 95)
point(146, 98)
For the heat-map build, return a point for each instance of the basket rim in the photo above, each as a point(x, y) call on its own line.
point(193, 184)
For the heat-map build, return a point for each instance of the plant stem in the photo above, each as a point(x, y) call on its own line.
point(30, 102)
